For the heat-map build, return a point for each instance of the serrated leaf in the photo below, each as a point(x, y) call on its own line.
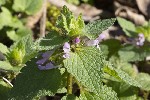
point(118, 73)
point(3, 49)
point(93, 29)
point(127, 26)
point(28, 6)
point(22, 50)
point(144, 80)
point(69, 24)
point(32, 82)
point(51, 41)
point(92, 96)
point(86, 66)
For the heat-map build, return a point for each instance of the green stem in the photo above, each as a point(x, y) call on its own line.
point(146, 94)
point(69, 83)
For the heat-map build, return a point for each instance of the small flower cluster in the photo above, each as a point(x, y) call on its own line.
point(140, 40)
point(43, 63)
point(66, 49)
point(96, 41)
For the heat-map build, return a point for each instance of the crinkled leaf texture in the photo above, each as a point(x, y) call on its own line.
point(86, 66)
point(28, 6)
point(51, 41)
point(93, 29)
point(92, 96)
point(32, 82)
point(121, 75)
point(25, 44)
point(69, 24)
point(144, 80)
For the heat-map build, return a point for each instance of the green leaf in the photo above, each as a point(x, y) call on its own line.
point(145, 29)
point(21, 51)
point(92, 96)
point(134, 53)
point(119, 74)
point(2, 2)
point(70, 97)
point(17, 35)
point(5, 65)
point(32, 82)
point(124, 91)
point(6, 19)
point(69, 24)
point(93, 29)
point(3, 49)
point(144, 80)
point(86, 66)
point(51, 41)
point(4, 89)
point(127, 26)
point(30, 7)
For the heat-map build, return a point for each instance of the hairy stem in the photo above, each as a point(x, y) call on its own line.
point(69, 83)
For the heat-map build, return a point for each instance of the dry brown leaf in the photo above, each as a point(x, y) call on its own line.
point(144, 6)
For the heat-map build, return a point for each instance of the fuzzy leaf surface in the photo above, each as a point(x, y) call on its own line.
point(69, 24)
point(32, 82)
point(93, 29)
point(144, 80)
point(86, 66)
point(92, 96)
point(119, 74)
point(51, 41)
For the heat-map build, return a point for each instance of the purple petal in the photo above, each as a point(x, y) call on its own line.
point(140, 40)
point(41, 67)
point(92, 42)
point(41, 61)
point(66, 45)
point(66, 50)
point(66, 55)
point(47, 54)
point(48, 66)
point(77, 40)
point(101, 37)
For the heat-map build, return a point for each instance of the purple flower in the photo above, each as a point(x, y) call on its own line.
point(47, 66)
point(66, 49)
point(101, 37)
point(140, 40)
point(66, 55)
point(77, 40)
point(42, 65)
point(92, 43)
